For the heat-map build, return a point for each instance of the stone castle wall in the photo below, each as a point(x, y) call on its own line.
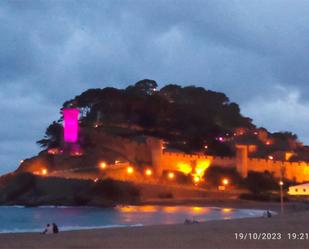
point(298, 171)
point(171, 160)
point(149, 150)
point(134, 150)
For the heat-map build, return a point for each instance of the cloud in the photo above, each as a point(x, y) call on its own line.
point(54, 50)
point(281, 110)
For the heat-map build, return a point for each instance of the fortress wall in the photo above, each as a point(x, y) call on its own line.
point(225, 162)
point(298, 171)
point(149, 151)
point(171, 160)
point(133, 150)
point(261, 165)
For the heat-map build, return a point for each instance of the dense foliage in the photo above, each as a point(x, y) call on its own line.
point(258, 183)
point(215, 174)
point(187, 117)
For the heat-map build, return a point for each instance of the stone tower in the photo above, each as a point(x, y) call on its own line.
point(155, 146)
point(242, 159)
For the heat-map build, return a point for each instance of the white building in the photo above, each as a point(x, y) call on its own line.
point(302, 189)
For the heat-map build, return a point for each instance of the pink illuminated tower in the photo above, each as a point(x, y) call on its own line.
point(70, 124)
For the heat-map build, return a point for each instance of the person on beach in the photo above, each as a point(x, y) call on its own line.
point(55, 228)
point(267, 214)
point(48, 229)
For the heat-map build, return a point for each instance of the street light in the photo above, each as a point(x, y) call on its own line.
point(103, 165)
point(171, 175)
point(281, 195)
point(225, 181)
point(130, 170)
point(196, 179)
point(148, 172)
point(44, 171)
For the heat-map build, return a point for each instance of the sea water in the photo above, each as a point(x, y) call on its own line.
point(34, 219)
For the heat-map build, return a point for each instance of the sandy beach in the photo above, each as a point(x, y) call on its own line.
point(211, 234)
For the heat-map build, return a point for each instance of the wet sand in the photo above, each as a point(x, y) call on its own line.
point(211, 234)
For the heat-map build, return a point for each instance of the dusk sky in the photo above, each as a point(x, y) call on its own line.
point(256, 52)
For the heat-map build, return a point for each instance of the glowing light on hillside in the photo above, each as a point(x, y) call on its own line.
point(270, 157)
point(148, 172)
point(21, 161)
point(103, 165)
point(70, 125)
point(96, 179)
point(171, 175)
point(184, 167)
point(44, 171)
point(225, 181)
point(206, 147)
point(130, 170)
point(221, 139)
point(53, 151)
point(281, 183)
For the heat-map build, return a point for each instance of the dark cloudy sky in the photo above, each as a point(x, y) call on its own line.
point(257, 52)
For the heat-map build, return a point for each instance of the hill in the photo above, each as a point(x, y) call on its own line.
point(189, 119)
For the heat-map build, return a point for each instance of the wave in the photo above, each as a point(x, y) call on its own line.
point(14, 206)
point(68, 228)
point(45, 206)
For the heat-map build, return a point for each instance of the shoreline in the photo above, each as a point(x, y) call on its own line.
point(207, 202)
point(274, 207)
point(210, 234)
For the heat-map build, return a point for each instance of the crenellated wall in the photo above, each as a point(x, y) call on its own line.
point(170, 160)
point(193, 163)
point(149, 151)
point(298, 171)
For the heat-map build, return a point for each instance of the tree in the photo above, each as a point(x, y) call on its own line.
point(258, 183)
point(146, 87)
point(53, 136)
point(214, 175)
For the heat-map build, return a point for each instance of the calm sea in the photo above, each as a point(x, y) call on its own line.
point(21, 219)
